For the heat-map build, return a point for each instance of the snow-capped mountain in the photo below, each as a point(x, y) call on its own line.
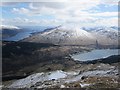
point(106, 35)
point(8, 27)
point(64, 35)
point(69, 35)
point(108, 32)
point(9, 31)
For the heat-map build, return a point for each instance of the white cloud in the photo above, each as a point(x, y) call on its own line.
point(26, 21)
point(69, 11)
point(82, 5)
point(105, 14)
point(8, 3)
point(110, 2)
point(56, 7)
point(103, 22)
point(82, 22)
point(21, 11)
point(107, 22)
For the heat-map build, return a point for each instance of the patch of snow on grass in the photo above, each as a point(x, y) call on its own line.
point(62, 86)
point(72, 73)
point(57, 75)
point(84, 85)
point(90, 73)
point(28, 81)
point(38, 77)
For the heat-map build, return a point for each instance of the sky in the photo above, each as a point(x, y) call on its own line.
point(85, 13)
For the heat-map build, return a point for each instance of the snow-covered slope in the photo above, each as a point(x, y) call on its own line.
point(108, 32)
point(38, 77)
point(59, 77)
point(64, 35)
point(73, 35)
point(106, 35)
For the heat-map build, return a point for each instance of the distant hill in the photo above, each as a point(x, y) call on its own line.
point(9, 31)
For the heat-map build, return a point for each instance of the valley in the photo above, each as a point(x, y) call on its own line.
point(60, 45)
point(52, 59)
point(45, 65)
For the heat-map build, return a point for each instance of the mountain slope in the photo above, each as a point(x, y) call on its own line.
point(67, 35)
point(9, 31)
point(106, 35)
point(63, 35)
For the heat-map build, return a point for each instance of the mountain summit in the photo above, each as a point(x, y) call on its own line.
point(63, 35)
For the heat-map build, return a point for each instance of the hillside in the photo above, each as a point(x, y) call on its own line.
point(8, 31)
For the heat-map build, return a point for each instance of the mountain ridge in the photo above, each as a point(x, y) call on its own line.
point(62, 35)
point(76, 36)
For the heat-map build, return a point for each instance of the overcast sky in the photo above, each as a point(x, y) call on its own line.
point(79, 12)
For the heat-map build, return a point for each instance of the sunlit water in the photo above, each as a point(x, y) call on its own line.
point(95, 54)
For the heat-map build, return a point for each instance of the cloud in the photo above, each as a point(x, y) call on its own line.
point(26, 21)
point(110, 2)
point(69, 11)
point(21, 11)
point(107, 22)
point(75, 8)
point(8, 3)
point(105, 14)
point(82, 5)
point(56, 7)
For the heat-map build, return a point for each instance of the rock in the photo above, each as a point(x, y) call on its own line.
point(62, 86)
point(53, 79)
point(77, 85)
point(83, 77)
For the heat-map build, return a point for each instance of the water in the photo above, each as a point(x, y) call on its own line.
point(95, 54)
point(19, 36)
point(26, 32)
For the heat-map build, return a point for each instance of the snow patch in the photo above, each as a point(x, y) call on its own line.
point(84, 85)
point(28, 81)
point(92, 73)
point(38, 77)
point(57, 75)
point(62, 86)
